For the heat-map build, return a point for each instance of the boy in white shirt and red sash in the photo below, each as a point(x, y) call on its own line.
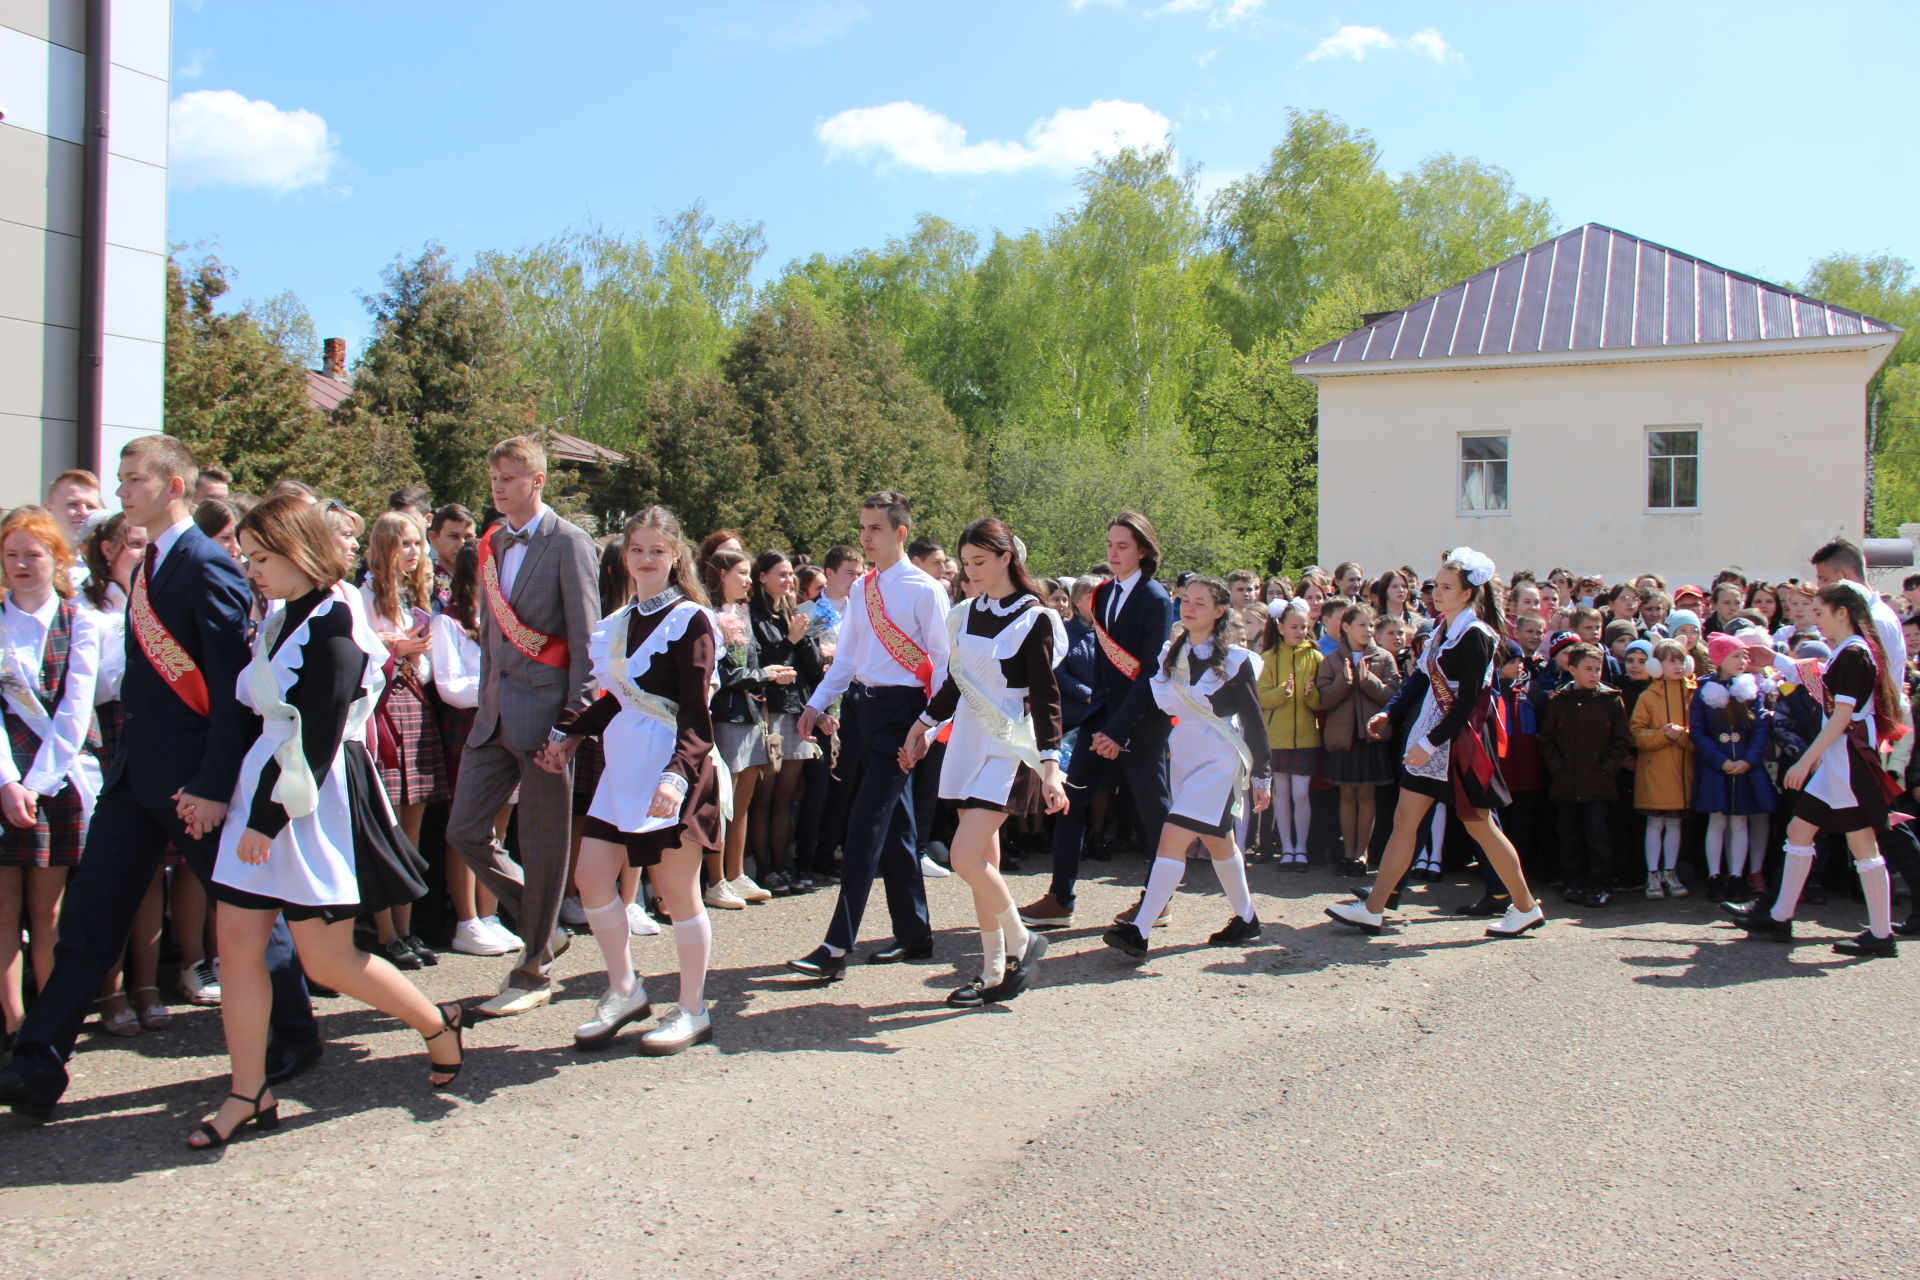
point(892, 656)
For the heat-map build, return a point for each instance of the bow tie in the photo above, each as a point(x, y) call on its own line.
point(521, 538)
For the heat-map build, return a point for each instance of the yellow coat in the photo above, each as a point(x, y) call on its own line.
point(1293, 722)
point(1663, 778)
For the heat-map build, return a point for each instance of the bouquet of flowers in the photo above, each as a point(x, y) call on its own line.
point(733, 634)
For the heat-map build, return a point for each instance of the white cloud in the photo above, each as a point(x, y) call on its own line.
point(916, 137)
point(195, 67)
point(1356, 42)
point(220, 138)
point(1220, 13)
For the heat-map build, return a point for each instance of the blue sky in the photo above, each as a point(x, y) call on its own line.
point(314, 143)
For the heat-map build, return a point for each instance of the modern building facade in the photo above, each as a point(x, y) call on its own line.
point(83, 233)
point(1599, 402)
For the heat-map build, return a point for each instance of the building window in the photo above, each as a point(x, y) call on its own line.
point(1483, 475)
point(1673, 469)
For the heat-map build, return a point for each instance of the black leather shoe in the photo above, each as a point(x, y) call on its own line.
point(1866, 946)
point(922, 950)
point(820, 963)
point(293, 1064)
point(24, 1098)
point(1126, 939)
point(1236, 932)
point(967, 997)
point(1757, 919)
point(1489, 905)
point(1908, 928)
point(1019, 971)
point(1352, 867)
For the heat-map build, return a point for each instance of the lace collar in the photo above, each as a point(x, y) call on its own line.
point(655, 603)
point(1002, 608)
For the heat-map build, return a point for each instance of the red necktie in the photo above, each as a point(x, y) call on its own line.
point(153, 558)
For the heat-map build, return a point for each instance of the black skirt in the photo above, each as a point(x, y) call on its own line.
point(1365, 764)
point(1869, 811)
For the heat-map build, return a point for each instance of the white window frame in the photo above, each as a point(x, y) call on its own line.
point(1646, 468)
point(1460, 464)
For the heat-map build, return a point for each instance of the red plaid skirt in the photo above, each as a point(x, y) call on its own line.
point(54, 841)
point(421, 775)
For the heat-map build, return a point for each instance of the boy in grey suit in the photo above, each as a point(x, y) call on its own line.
point(540, 604)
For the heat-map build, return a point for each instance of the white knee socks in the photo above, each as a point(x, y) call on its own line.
point(1013, 934)
point(1300, 810)
point(609, 924)
point(1737, 846)
point(1164, 879)
point(1233, 882)
point(1877, 886)
point(693, 939)
point(1716, 839)
point(1793, 878)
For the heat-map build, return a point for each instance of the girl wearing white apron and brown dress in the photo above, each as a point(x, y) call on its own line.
point(1004, 753)
point(658, 800)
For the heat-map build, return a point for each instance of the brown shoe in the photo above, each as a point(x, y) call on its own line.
point(1126, 917)
point(1046, 913)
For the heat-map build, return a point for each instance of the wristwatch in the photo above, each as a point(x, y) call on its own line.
point(558, 737)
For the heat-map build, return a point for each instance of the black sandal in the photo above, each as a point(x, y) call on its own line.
point(452, 1018)
point(267, 1119)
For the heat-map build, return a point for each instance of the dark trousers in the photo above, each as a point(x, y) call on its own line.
point(926, 795)
point(1142, 771)
point(1586, 842)
point(880, 826)
point(1901, 849)
point(124, 846)
point(822, 823)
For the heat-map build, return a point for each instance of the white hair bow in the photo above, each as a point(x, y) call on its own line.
point(1478, 565)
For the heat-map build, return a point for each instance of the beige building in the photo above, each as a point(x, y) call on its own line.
point(1603, 403)
point(83, 233)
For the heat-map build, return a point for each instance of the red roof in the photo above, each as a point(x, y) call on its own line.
point(325, 393)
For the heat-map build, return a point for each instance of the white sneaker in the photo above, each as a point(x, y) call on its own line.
point(931, 869)
point(201, 982)
point(682, 1030)
point(515, 1000)
point(1656, 885)
point(743, 885)
point(639, 923)
point(1517, 922)
point(571, 912)
point(1674, 888)
point(473, 938)
point(722, 896)
point(1356, 914)
point(505, 935)
point(611, 1013)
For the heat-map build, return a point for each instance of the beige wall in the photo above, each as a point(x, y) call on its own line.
point(1782, 464)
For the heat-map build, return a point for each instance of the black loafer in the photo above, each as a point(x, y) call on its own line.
point(820, 963)
point(24, 1099)
point(289, 1067)
point(1236, 932)
point(1127, 940)
point(1757, 919)
point(921, 950)
point(1866, 946)
point(1019, 971)
point(967, 997)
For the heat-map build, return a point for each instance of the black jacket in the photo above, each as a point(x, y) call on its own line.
point(776, 650)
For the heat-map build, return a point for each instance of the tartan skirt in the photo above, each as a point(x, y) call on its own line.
point(54, 841)
point(589, 762)
point(421, 775)
point(455, 724)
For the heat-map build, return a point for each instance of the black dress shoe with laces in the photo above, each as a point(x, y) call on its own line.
point(820, 963)
point(1488, 905)
point(1757, 919)
point(1237, 931)
point(899, 951)
point(1866, 946)
point(24, 1098)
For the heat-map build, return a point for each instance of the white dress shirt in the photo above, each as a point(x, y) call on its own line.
point(1893, 638)
point(917, 605)
point(111, 618)
point(24, 638)
point(510, 562)
point(1117, 599)
point(164, 543)
point(422, 662)
point(456, 663)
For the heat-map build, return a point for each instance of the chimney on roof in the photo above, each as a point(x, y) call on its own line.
point(1368, 317)
point(333, 358)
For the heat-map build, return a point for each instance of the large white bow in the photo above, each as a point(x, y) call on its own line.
point(1478, 565)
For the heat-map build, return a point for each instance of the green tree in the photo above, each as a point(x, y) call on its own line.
point(1884, 287)
point(232, 395)
point(288, 325)
point(439, 372)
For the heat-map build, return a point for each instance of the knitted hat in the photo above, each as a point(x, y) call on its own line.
point(1642, 646)
point(1619, 628)
point(1562, 640)
point(1682, 618)
point(1722, 646)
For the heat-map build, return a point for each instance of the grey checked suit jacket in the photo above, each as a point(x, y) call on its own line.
point(555, 591)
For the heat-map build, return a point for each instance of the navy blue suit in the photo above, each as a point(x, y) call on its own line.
point(200, 597)
point(1125, 711)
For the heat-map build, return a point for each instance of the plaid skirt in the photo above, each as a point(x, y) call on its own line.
point(588, 764)
point(421, 775)
point(455, 724)
point(111, 717)
point(54, 841)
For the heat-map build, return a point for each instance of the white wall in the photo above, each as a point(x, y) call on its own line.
point(43, 96)
point(1782, 467)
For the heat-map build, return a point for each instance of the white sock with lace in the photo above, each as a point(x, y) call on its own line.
point(693, 939)
point(1164, 879)
point(610, 929)
point(1233, 882)
point(1793, 878)
point(1877, 887)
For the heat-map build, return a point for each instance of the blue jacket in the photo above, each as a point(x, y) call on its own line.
point(1120, 706)
point(1076, 673)
point(199, 596)
point(1713, 790)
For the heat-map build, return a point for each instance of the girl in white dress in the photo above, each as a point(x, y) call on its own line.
point(1218, 745)
point(1004, 754)
point(309, 833)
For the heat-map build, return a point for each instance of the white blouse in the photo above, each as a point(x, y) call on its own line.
point(23, 645)
point(456, 663)
point(112, 621)
point(422, 663)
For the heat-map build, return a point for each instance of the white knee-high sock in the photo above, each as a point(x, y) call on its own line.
point(609, 924)
point(1161, 882)
point(1655, 829)
point(1233, 882)
point(1793, 878)
point(693, 939)
point(1300, 790)
point(1013, 933)
point(1877, 887)
point(1736, 846)
point(1716, 837)
point(1670, 859)
point(1759, 830)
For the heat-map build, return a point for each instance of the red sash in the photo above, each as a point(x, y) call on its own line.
point(175, 665)
point(1124, 662)
point(898, 644)
point(551, 650)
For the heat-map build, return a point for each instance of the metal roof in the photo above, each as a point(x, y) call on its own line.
point(1591, 289)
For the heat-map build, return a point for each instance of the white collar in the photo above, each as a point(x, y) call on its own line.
point(999, 610)
point(655, 603)
point(532, 523)
point(1126, 584)
point(43, 615)
point(1458, 626)
point(164, 543)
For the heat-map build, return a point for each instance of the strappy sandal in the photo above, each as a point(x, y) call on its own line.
point(452, 1018)
point(121, 1022)
point(154, 1014)
point(267, 1119)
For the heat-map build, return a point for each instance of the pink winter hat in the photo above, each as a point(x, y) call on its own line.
point(1721, 646)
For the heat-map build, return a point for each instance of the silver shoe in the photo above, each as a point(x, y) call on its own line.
point(609, 1015)
point(681, 1030)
